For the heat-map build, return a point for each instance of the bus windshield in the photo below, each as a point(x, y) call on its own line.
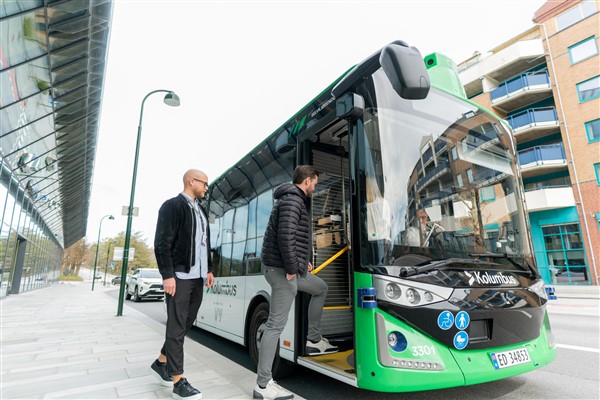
point(439, 180)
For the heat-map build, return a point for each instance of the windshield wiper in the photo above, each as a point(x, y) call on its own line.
point(510, 258)
point(410, 271)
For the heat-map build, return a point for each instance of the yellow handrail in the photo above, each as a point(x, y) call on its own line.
point(336, 307)
point(330, 260)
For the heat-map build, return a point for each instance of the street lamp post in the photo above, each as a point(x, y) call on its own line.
point(106, 265)
point(97, 247)
point(171, 99)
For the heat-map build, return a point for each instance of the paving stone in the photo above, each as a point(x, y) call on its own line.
point(53, 347)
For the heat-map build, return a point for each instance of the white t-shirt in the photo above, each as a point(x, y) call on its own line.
point(200, 267)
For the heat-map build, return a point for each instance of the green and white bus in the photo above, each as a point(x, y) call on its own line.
point(419, 229)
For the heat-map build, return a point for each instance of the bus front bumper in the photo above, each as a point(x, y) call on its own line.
point(425, 364)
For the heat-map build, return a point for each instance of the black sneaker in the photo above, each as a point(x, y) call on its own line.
point(182, 390)
point(159, 371)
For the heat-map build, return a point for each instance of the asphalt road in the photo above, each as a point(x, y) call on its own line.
point(573, 375)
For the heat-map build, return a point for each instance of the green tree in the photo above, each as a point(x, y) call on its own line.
point(75, 257)
point(144, 255)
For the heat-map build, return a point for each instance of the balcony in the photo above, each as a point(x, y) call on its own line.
point(534, 123)
point(518, 92)
point(436, 198)
point(548, 198)
point(433, 174)
point(542, 159)
point(509, 61)
point(427, 157)
point(441, 145)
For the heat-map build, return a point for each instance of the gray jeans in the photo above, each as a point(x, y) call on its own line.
point(283, 293)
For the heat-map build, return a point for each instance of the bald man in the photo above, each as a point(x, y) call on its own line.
point(182, 248)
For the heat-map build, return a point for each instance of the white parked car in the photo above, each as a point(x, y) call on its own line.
point(144, 283)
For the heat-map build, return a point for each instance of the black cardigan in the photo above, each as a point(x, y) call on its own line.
point(175, 238)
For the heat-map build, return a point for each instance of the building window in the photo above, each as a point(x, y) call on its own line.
point(597, 169)
point(575, 14)
point(589, 89)
point(470, 175)
point(459, 181)
point(454, 153)
point(583, 50)
point(487, 194)
point(564, 252)
point(592, 129)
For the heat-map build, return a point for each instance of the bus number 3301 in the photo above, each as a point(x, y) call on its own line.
point(419, 351)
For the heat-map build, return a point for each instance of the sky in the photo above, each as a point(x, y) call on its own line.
point(241, 69)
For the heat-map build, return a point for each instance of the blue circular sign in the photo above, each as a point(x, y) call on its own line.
point(461, 339)
point(462, 320)
point(445, 320)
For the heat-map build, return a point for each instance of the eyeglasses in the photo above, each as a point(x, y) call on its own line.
point(201, 181)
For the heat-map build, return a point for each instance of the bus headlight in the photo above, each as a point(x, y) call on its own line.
point(392, 291)
point(413, 296)
point(538, 288)
point(397, 341)
point(409, 293)
point(428, 297)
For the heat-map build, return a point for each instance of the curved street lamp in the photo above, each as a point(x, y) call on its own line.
point(171, 99)
point(113, 242)
point(97, 247)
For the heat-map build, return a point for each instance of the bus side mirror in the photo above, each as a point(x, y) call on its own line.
point(350, 106)
point(405, 70)
point(284, 143)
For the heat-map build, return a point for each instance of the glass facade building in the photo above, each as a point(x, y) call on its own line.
point(52, 62)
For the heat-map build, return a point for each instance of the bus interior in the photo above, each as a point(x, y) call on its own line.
point(327, 151)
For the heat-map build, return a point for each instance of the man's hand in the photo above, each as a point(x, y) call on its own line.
point(289, 277)
point(210, 279)
point(169, 285)
point(310, 267)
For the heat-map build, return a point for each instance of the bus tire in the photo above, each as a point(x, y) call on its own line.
point(281, 368)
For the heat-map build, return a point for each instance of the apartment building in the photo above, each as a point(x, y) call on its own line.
point(546, 83)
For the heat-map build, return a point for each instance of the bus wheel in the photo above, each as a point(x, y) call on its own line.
point(258, 324)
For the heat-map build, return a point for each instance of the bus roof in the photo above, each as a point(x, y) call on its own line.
point(290, 121)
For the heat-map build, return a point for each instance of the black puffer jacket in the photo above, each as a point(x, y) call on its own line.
point(288, 241)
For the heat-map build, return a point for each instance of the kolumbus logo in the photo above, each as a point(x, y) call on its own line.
point(485, 278)
point(219, 288)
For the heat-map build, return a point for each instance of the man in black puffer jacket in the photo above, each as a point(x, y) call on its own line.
point(286, 255)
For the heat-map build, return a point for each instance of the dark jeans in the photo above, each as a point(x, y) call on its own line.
point(182, 310)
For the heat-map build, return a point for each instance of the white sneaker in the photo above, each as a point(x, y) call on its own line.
point(272, 392)
point(321, 347)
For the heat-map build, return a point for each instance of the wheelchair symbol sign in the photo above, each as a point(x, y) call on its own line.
point(445, 320)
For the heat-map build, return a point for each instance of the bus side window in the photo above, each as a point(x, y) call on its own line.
point(253, 266)
point(226, 240)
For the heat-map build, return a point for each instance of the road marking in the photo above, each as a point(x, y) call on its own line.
point(588, 349)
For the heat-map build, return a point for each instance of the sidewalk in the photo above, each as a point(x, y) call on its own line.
point(579, 292)
point(575, 300)
point(64, 341)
